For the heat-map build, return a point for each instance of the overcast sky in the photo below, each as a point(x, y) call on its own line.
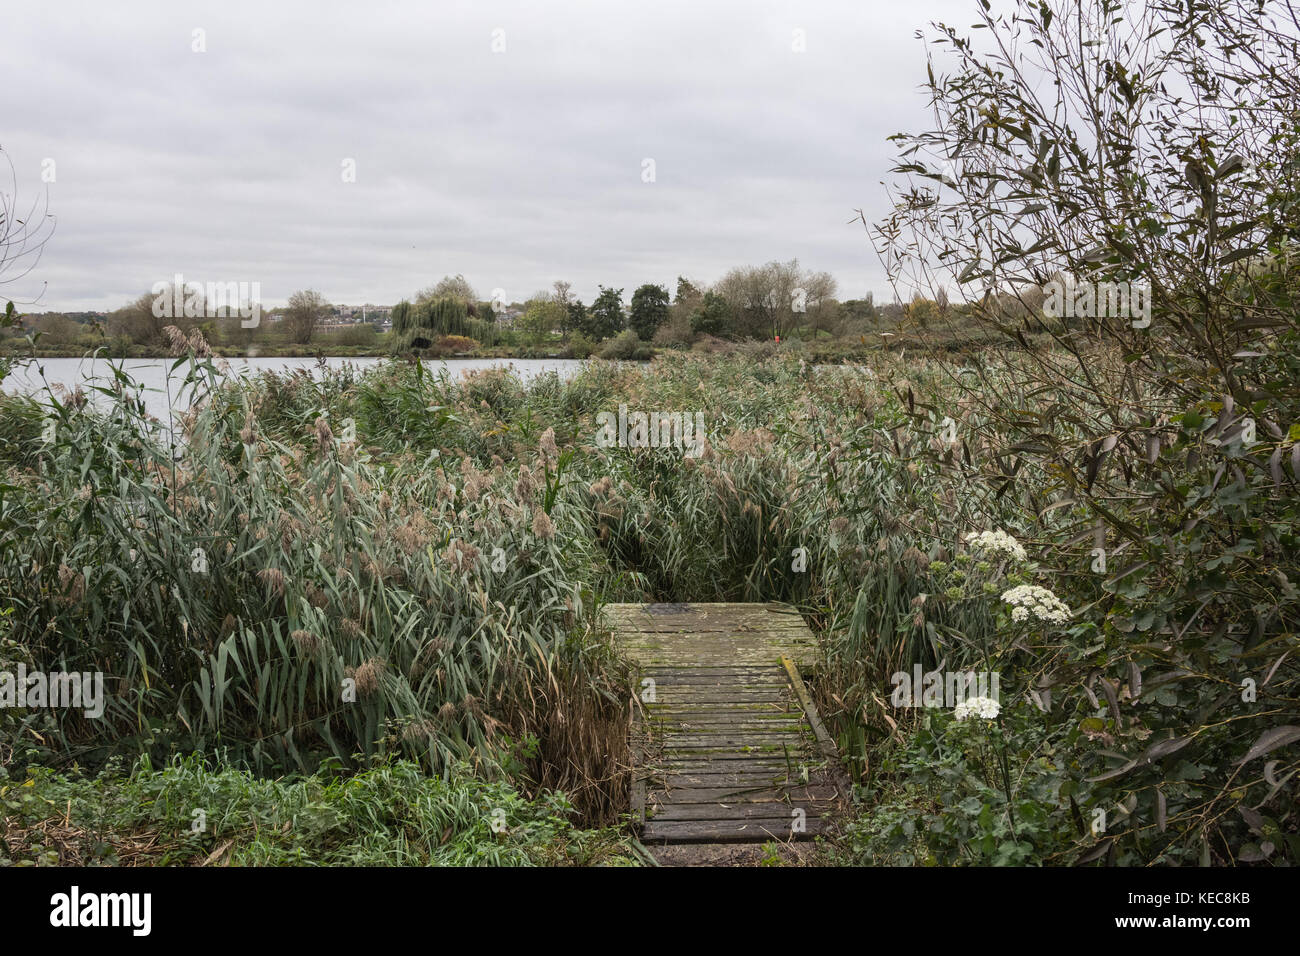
point(516, 167)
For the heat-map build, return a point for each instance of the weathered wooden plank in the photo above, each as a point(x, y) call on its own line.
point(727, 746)
point(712, 632)
point(673, 676)
point(724, 760)
point(720, 640)
point(724, 725)
point(683, 766)
point(777, 709)
point(689, 683)
point(704, 618)
point(756, 791)
point(777, 813)
point(679, 700)
point(691, 638)
point(742, 777)
point(725, 831)
point(681, 672)
point(686, 737)
point(685, 720)
point(769, 717)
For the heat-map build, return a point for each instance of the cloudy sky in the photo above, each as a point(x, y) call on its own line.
point(505, 141)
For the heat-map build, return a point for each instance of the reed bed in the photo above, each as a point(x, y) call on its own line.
point(327, 570)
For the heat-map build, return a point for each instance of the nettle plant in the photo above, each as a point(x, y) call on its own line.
point(1108, 146)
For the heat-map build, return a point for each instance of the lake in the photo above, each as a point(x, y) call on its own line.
point(152, 373)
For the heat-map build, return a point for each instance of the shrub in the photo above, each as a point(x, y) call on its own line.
point(623, 346)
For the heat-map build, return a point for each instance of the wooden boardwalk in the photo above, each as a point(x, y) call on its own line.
point(730, 748)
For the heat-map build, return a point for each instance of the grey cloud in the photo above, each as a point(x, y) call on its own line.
point(515, 169)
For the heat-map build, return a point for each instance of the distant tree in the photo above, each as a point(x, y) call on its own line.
point(418, 327)
point(649, 310)
point(449, 287)
point(143, 319)
point(920, 310)
point(859, 315)
point(562, 294)
point(624, 346)
point(814, 301)
point(774, 298)
point(402, 316)
point(677, 330)
point(306, 309)
point(542, 316)
point(605, 317)
point(754, 297)
point(712, 316)
point(891, 313)
point(58, 329)
point(687, 292)
point(230, 330)
point(578, 320)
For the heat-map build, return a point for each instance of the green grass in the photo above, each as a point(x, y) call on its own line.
point(189, 812)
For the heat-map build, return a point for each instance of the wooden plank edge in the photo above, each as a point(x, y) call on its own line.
point(825, 743)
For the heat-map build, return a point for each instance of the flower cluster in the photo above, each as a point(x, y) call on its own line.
point(1028, 600)
point(985, 707)
point(996, 542)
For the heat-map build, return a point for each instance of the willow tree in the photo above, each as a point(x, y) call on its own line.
point(417, 327)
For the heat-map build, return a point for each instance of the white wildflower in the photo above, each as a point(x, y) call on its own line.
point(997, 542)
point(1029, 600)
point(985, 707)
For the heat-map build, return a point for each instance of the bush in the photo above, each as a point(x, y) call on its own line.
point(579, 346)
point(363, 334)
point(454, 345)
point(623, 346)
point(676, 332)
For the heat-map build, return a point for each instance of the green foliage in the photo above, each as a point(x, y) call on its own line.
point(942, 803)
point(391, 814)
point(541, 318)
point(417, 328)
point(361, 335)
point(605, 316)
point(623, 346)
point(712, 316)
point(279, 591)
point(649, 310)
point(1160, 441)
point(850, 465)
point(579, 320)
point(579, 346)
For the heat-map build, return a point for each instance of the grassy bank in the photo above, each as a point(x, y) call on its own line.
point(188, 813)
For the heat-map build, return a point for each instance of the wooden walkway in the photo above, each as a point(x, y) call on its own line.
point(730, 747)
